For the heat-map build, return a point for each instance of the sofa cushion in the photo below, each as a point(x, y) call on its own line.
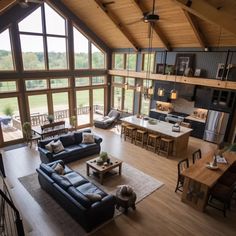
point(79, 137)
point(57, 146)
point(88, 138)
point(87, 145)
point(47, 169)
point(61, 181)
point(73, 149)
point(83, 200)
point(68, 140)
point(44, 142)
point(75, 178)
point(90, 188)
point(60, 155)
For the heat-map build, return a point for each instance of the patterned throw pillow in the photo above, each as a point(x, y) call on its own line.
point(57, 146)
point(59, 168)
point(88, 138)
point(93, 197)
point(49, 146)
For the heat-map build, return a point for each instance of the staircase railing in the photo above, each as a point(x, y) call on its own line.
point(10, 220)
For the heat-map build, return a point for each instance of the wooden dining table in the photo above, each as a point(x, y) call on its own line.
point(198, 179)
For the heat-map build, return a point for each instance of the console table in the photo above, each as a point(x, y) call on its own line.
point(198, 180)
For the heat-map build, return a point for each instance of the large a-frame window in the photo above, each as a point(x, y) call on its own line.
point(6, 60)
point(44, 48)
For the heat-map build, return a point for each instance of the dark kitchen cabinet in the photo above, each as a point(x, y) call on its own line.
point(203, 97)
point(198, 128)
point(222, 100)
point(185, 91)
point(157, 115)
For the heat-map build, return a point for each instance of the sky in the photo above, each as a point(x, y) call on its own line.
point(55, 24)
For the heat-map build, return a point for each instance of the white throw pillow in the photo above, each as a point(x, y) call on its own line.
point(49, 146)
point(94, 197)
point(88, 138)
point(57, 146)
point(59, 168)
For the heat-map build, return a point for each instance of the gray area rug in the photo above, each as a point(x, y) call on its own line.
point(142, 184)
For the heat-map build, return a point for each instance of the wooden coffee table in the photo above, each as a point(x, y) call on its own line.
point(102, 169)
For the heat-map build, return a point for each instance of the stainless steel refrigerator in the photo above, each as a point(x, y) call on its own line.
point(216, 126)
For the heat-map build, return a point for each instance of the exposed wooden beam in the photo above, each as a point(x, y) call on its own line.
point(5, 4)
point(116, 21)
point(205, 11)
point(140, 6)
point(195, 29)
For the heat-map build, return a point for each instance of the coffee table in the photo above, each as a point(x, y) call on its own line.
point(102, 169)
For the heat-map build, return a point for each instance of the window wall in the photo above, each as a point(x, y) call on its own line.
point(122, 61)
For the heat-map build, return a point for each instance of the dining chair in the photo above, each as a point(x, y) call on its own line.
point(196, 155)
point(221, 193)
point(182, 165)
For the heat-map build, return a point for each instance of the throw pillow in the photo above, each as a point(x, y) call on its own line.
point(57, 146)
point(49, 146)
point(93, 197)
point(88, 138)
point(59, 168)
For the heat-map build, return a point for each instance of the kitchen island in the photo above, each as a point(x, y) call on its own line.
point(165, 130)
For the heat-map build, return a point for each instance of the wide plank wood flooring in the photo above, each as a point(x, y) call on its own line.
point(161, 213)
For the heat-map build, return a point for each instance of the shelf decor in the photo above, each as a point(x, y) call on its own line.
point(182, 62)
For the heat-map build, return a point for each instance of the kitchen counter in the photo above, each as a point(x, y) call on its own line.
point(160, 111)
point(165, 130)
point(196, 119)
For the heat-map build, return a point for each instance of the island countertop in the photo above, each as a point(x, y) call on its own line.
point(161, 127)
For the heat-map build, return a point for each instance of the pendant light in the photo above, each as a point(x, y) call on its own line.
point(161, 92)
point(174, 92)
point(126, 85)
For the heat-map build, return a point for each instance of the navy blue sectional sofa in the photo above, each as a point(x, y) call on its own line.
point(74, 149)
point(70, 190)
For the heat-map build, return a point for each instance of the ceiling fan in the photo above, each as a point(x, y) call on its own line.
point(25, 3)
point(148, 17)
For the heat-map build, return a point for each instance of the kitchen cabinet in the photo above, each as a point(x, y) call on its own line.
point(203, 97)
point(157, 115)
point(198, 128)
point(222, 100)
point(185, 91)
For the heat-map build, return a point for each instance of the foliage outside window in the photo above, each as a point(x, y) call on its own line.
point(8, 86)
point(147, 83)
point(36, 84)
point(129, 100)
point(96, 80)
point(59, 83)
point(6, 60)
point(130, 81)
point(82, 81)
point(148, 57)
point(117, 98)
point(98, 58)
point(81, 45)
point(131, 61)
point(118, 80)
point(119, 61)
point(145, 105)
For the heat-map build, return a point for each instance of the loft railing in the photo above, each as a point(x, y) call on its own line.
point(10, 220)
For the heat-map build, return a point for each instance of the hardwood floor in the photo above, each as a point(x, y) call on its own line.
point(161, 213)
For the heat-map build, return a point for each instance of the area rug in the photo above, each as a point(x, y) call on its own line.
point(142, 183)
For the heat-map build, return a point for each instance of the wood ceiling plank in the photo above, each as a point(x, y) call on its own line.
point(157, 30)
point(195, 29)
point(118, 24)
point(205, 11)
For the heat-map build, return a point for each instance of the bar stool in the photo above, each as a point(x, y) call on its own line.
point(140, 137)
point(166, 146)
point(130, 133)
point(123, 127)
point(153, 141)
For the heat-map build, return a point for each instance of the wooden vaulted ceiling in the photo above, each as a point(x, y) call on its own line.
point(183, 23)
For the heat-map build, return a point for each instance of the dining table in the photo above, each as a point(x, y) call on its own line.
point(200, 177)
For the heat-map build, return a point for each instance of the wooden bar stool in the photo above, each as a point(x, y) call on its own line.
point(140, 137)
point(153, 141)
point(130, 133)
point(123, 127)
point(166, 146)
